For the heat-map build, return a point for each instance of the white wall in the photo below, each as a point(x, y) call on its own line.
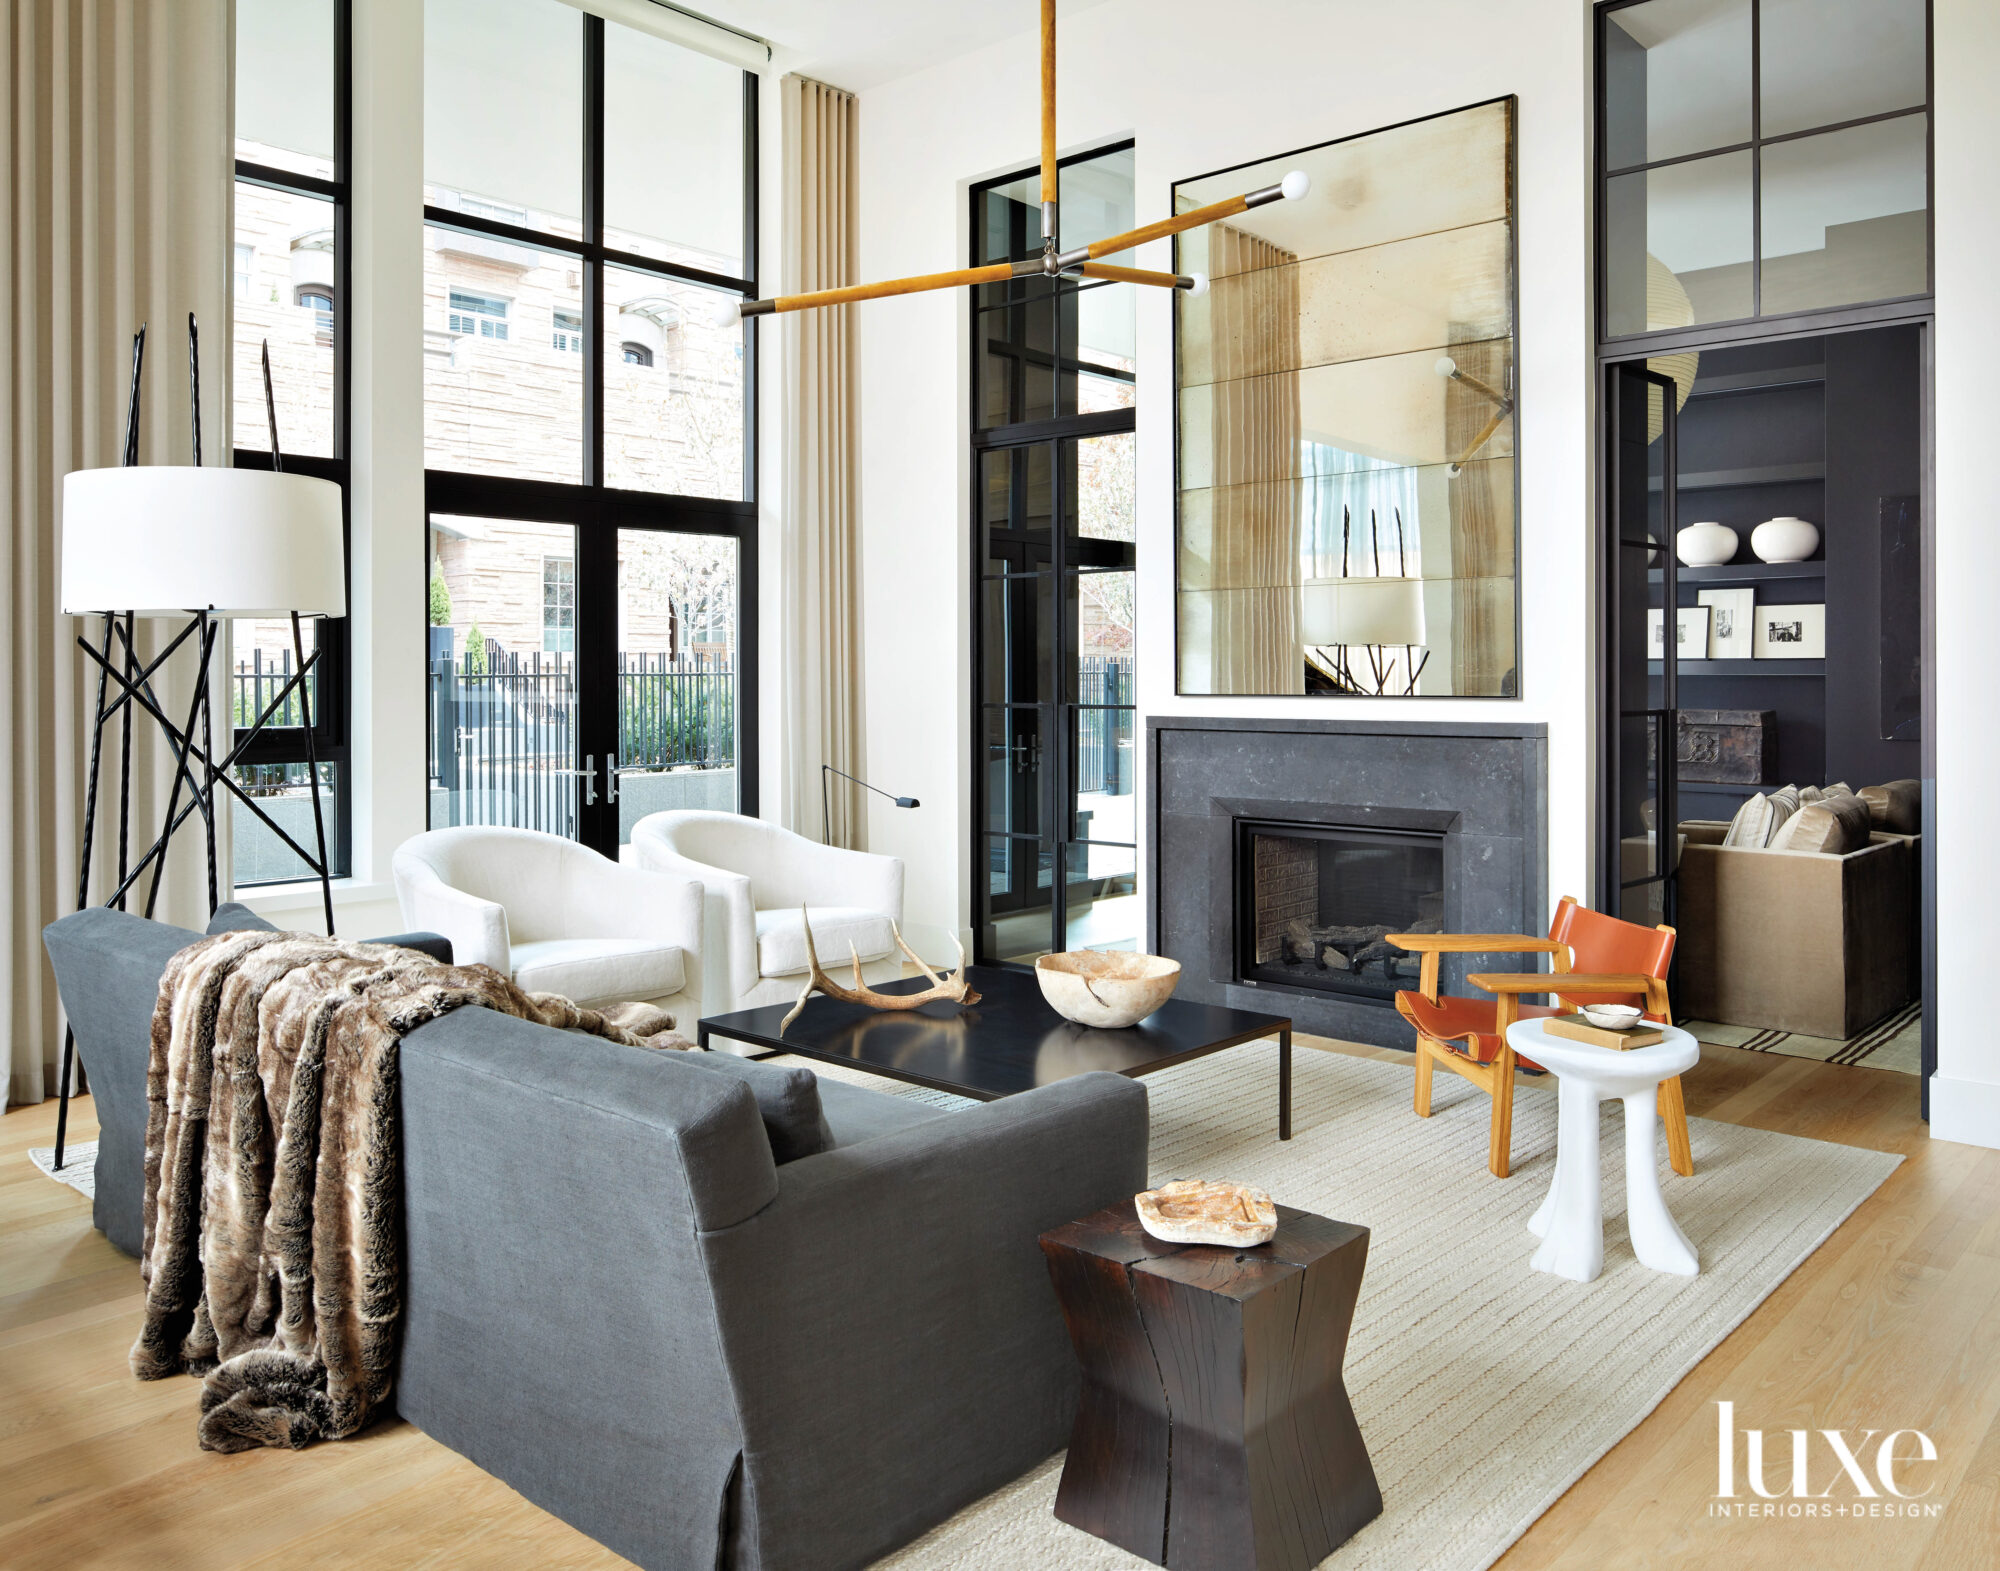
point(1965, 1094)
point(1200, 86)
point(386, 562)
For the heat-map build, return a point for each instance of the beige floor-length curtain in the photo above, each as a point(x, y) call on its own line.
point(821, 567)
point(115, 188)
point(1482, 531)
point(1255, 637)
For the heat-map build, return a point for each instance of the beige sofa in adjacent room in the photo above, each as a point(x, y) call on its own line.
point(1817, 942)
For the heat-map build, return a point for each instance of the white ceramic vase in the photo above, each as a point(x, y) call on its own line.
point(1784, 540)
point(1705, 545)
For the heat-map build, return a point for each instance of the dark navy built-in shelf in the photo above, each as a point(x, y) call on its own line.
point(1700, 668)
point(1743, 572)
point(1756, 474)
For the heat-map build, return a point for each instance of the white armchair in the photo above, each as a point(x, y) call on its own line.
point(556, 916)
point(756, 877)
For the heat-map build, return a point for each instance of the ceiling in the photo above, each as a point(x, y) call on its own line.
point(859, 44)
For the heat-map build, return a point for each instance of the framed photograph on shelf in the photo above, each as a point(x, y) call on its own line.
point(1791, 632)
point(1732, 612)
point(1691, 632)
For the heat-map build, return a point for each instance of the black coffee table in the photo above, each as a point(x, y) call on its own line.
point(1007, 1043)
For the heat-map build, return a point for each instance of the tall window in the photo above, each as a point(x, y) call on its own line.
point(289, 274)
point(1761, 158)
point(1053, 512)
point(589, 201)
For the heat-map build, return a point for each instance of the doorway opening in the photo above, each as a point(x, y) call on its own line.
point(1764, 792)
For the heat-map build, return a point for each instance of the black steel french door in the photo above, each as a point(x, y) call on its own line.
point(1639, 850)
point(587, 657)
point(1056, 695)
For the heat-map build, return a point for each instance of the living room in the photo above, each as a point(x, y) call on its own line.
point(1002, 606)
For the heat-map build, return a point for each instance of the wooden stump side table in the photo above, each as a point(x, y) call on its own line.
point(1213, 1431)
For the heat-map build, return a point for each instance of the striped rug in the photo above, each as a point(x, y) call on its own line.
point(1893, 1042)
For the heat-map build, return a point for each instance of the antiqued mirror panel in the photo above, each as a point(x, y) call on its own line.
point(1346, 422)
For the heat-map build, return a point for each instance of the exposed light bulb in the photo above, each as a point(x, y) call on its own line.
point(1445, 366)
point(727, 313)
point(1295, 185)
point(1200, 286)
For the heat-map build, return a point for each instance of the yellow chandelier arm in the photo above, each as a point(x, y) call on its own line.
point(1195, 283)
point(1048, 102)
point(1292, 187)
point(996, 273)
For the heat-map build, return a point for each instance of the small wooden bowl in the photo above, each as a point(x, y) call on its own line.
point(1106, 987)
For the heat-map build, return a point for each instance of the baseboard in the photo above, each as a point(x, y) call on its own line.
point(932, 940)
point(1965, 1111)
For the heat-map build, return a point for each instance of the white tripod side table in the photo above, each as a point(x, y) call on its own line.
point(1570, 1222)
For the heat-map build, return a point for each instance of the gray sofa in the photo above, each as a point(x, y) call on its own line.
point(619, 1302)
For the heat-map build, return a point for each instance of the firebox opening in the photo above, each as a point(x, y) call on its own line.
point(1316, 903)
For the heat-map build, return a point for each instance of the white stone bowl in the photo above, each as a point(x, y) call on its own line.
point(1106, 987)
point(1612, 1017)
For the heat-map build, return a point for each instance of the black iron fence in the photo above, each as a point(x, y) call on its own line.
point(259, 677)
point(504, 742)
point(676, 713)
point(1104, 734)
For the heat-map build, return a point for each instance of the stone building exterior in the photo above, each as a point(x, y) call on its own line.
point(503, 385)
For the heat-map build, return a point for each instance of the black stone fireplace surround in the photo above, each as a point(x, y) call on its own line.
point(1482, 787)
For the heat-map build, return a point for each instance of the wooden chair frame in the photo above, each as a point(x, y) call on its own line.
point(1497, 1078)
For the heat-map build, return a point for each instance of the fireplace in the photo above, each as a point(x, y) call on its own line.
point(1362, 828)
point(1316, 903)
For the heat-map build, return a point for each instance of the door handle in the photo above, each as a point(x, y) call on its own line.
point(590, 780)
point(610, 777)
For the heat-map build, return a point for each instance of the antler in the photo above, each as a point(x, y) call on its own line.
point(953, 987)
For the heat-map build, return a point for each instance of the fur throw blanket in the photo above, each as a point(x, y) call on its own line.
point(273, 1218)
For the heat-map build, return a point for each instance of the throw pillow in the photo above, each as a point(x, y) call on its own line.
point(1833, 826)
point(233, 917)
point(787, 1100)
point(1751, 826)
point(1784, 803)
point(1896, 808)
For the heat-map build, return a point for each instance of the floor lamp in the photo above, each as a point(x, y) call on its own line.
point(205, 544)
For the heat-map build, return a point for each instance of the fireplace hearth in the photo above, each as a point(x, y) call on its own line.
point(1316, 904)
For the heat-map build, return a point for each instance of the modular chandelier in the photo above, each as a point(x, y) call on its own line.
point(1054, 262)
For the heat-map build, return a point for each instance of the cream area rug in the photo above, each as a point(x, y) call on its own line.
point(1484, 1389)
point(1894, 1042)
point(79, 1169)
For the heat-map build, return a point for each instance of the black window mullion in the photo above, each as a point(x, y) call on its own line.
point(1756, 160)
point(1058, 768)
point(593, 260)
point(749, 328)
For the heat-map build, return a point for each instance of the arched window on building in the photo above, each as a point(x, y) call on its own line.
point(635, 353)
point(320, 298)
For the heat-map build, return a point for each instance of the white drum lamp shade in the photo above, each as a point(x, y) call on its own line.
point(169, 540)
point(1361, 611)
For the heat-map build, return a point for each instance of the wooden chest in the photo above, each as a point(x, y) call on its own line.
point(1727, 746)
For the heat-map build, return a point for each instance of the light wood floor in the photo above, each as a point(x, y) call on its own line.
point(1894, 1323)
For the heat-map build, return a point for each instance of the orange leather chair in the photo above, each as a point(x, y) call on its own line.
point(1601, 957)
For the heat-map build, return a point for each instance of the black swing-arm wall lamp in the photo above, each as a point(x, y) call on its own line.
point(825, 809)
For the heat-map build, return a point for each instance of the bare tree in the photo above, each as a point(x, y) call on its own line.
point(696, 573)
